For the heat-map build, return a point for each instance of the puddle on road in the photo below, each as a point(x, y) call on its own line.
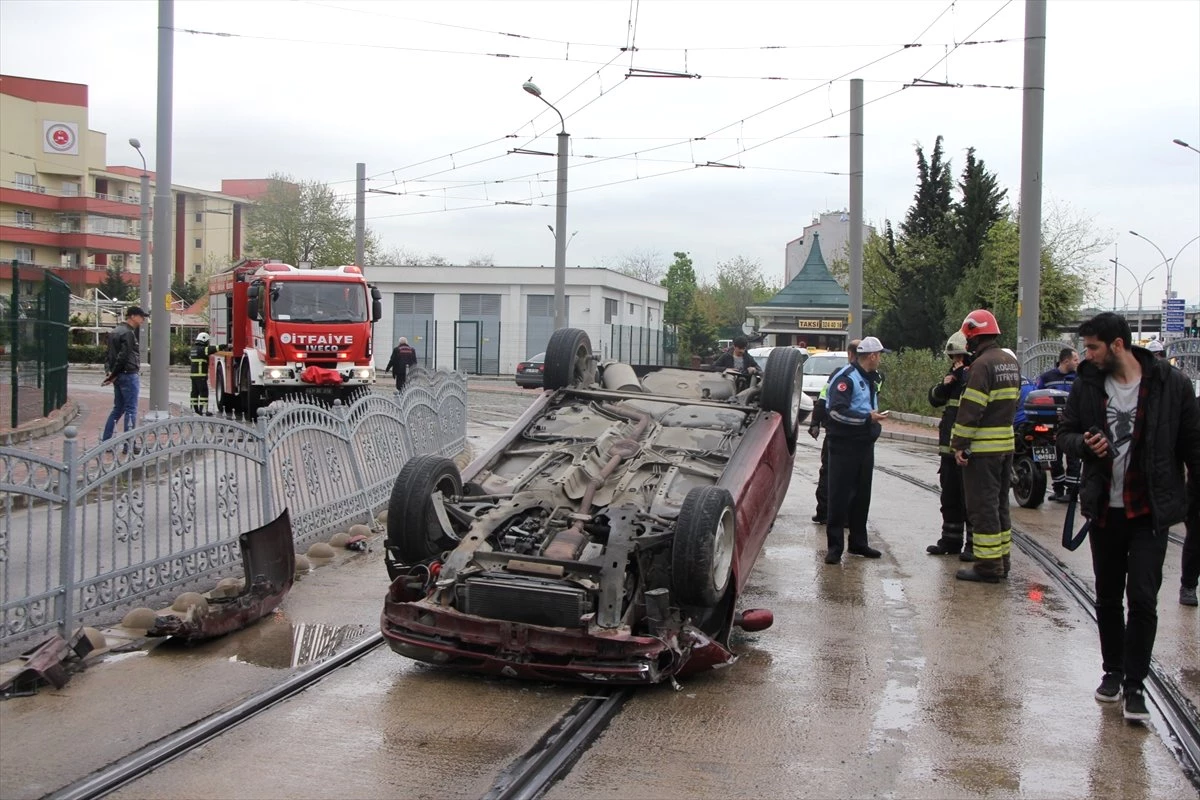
point(280, 644)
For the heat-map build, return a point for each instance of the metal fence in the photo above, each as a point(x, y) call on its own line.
point(158, 510)
point(33, 340)
point(1039, 357)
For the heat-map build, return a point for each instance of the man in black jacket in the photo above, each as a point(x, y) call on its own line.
point(403, 357)
point(122, 365)
point(946, 395)
point(1134, 422)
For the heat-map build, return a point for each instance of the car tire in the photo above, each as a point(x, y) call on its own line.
point(414, 533)
point(569, 360)
point(782, 388)
point(222, 399)
point(702, 549)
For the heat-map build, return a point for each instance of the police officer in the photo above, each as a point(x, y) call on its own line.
point(198, 355)
point(1060, 378)
point(945, 395)
point(814, 430)
point(851, 427)
point(982, 440)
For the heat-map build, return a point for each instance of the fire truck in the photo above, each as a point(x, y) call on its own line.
point(281, 331)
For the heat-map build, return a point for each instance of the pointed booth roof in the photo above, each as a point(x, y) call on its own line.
point(813, 286)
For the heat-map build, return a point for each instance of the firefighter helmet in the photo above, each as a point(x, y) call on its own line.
point(956, 345)
point(202, 338)
point(980, 322)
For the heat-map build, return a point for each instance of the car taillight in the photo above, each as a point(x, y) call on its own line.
point(1040, 429)
point(541, 367)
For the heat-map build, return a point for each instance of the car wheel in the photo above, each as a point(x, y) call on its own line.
point(702, 550)
point(569, 360)
point(222, 399)
point(414, 532)
point(782, 390)
point(1028, 482)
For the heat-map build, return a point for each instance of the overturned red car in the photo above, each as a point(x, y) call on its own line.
point(606, 537)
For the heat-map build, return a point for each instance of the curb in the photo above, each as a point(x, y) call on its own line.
point(44, 426)
point(916, 438)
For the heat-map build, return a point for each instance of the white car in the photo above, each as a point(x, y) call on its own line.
point(818, 368)
point(763, 354)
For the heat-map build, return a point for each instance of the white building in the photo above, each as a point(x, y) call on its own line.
point(484, 320)
point(834, 228)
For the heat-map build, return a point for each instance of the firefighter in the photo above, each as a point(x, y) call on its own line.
point(945, 395)
point(851, 427)
point(403, 356)
point(201, 350)
point(982, 440)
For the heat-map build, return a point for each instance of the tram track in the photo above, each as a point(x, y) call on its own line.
point(1180, 720)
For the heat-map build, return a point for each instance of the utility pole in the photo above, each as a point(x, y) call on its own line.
point(160, 334)
point(1029, 296)
point(854, 329)
point(360, 213)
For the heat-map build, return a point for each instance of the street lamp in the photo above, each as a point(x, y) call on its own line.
point(1140, 284)
point(1182, 143)
point(569, 238)
point(144, 258)
point(560, 215)
point(1170, 262)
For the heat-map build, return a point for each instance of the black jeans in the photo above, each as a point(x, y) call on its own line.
point(1127, 556)
point(1191, 552)
point(851, 466)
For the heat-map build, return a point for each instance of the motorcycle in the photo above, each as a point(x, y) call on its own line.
point(1034, 450)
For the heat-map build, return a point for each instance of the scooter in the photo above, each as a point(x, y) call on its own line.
point(1034, 450)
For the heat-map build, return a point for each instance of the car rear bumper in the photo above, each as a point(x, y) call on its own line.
point(435, 634)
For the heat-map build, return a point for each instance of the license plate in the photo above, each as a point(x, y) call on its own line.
point(532, 369)
point(1045, 455)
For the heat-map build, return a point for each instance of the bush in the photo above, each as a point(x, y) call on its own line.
point(908, 376)
point(94, 354)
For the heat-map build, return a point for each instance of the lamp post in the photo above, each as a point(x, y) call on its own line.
point(1170, 262)
point(569, 238)
point(1140, 285)
point(560, 215)
point(144, 258)
point(1182, 143)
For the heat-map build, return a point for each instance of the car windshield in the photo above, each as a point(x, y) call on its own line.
point(823, 365)
point(318, 301)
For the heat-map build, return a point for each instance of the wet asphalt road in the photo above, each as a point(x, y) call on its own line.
point(879, 678)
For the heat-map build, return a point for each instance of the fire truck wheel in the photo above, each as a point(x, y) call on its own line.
point(414, 531)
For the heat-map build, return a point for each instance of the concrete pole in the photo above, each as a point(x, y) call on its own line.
point(856, 208)
point(560, 237)
point(164, 217)
point(1033, 111)
point(360, 213)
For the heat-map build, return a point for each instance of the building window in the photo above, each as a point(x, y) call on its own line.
point(197, 267)
point(611, 309)
point(198, 244)
point(24, 219)
point(631, 309)
point(25, 181)
point(199, 216)
point(70, 189)
point(23, 254)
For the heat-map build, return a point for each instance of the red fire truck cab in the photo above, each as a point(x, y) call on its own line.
point(280, 331)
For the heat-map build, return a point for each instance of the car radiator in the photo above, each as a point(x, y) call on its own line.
point(518, 599)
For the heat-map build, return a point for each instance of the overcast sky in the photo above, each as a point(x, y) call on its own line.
point(415, 90)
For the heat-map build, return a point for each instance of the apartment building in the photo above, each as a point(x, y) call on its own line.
point(63, 209)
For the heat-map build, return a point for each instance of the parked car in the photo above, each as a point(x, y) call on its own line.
point(530, 371)
point(608, 534)
point(818, 368)
point(762, 355)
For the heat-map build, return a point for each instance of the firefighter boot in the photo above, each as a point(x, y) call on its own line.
point(946, 546)
point(968, 552)
point(984, 570)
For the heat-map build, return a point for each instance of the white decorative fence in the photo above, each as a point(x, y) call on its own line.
point(159, 509)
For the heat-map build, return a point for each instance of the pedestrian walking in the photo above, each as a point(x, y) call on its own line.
point(946, 394)
point(851, 427)
point(816, 421)
point(198, 357)
point(982, 440)
point(1135, 423)
point(122, 364)
point(1060, 377)
point(403, 356)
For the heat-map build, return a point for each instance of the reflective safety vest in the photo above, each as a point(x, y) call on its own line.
point(984, 424)
point(198, 356)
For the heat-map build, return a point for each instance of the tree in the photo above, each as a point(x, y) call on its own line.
point(482, 260)
point(982, 206)
point(693, 334)
point(645, 265)
point(403, 257)
point(115, 287)
point(740, 283)
point(303, 221)
point(929, 215)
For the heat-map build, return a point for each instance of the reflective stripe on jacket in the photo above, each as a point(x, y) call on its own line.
point(984, 424)
point(198, 356)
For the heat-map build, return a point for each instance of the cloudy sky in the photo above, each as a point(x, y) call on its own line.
point(428, 95)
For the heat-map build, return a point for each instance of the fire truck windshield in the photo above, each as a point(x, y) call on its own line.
point(318, 301)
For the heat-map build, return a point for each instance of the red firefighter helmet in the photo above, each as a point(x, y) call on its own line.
point(980, 322)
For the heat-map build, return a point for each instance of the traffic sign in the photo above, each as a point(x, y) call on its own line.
point(1175, 302)
point(1173, 327)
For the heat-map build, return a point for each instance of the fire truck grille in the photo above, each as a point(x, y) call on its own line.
point(527, 600)
point(313, 362)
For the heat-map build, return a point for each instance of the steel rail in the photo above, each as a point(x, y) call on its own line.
point(559, 748)
point(1182, 734)
point(156, 754)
